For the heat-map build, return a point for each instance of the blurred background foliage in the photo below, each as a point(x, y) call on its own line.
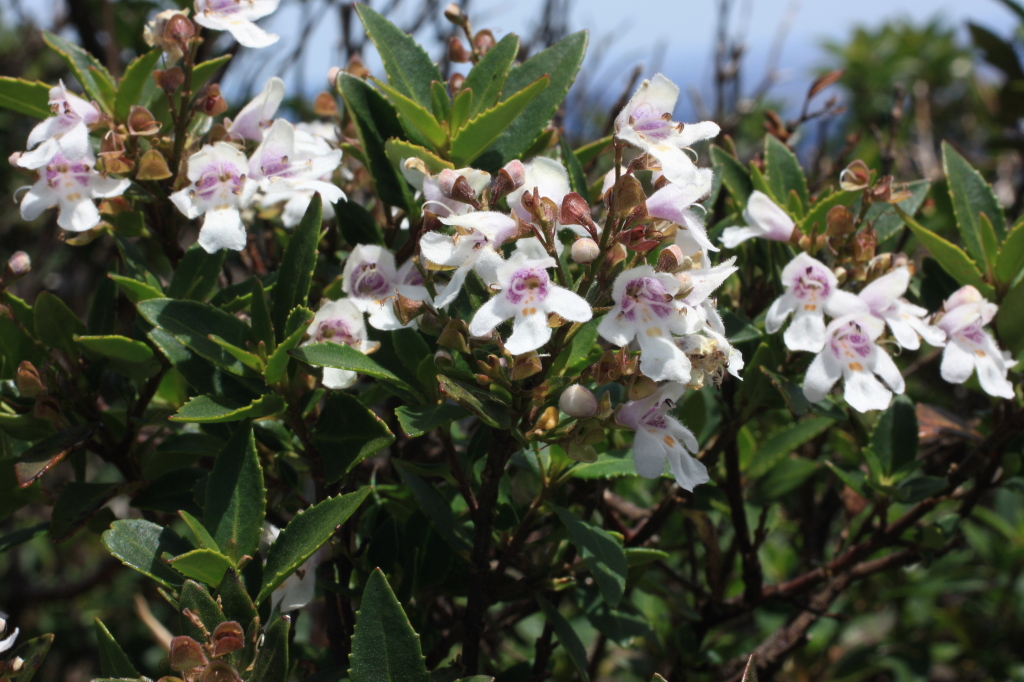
point(905, 87)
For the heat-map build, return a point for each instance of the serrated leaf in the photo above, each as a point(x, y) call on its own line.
point(418, 120)
point(338, 356)
point(608, 465)
point(417, 420)
point(207, 409)
point(304, 535)
point(971, 196)
point(192, 322)
point(234, 599)
point(250, 360)
point(490, 411)
point(196, 275)
point(202, 375)
point(205, 565)
point(440, 102)
point(346, 433)
point(1010, 262)
point(480, 131)
point(113, 661)
point(734, 175)
point(296, 272)
point(567, 636)
point(385, 648)
point(894, 440)
point(409, 69)
point(398, 151)
point(462, 110)
point(31, 98)
point(487, 77)
point(784, 171)
point(603, 554)
point(90, 72)
point(136, 74)
point(203, 536)
point(271, 664)
point(781, 444)
point(277, 363)
point(235, 497)
point(951, 257)
point(141, 544)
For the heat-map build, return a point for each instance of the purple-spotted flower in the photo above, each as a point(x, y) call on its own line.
point(448, 193)
point(645, 308)
point(256, 116)
point(237, 17)
point(218, 189)
point(279, 165)
point(850, 353)
point(551, 181)
point(475, 246)
point(970, 346)
point(674, 203)
point(646, 123)
point(340, 322)
point(67, 131)
point(809, 287)
point(764, 219)
point(527, 296)
point(661, 437)
point(884, 299)
point(371, 282)
point(312, 140)
point(71, 185)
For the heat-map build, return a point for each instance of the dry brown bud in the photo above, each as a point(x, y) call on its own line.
point(186, 653)
point(455, 186)
point(210, 102)
point(585, 251)
point(864, 245)
point(671, 259)
point(169, 80)
point(642, 387)
point(616, 255)
point(356, 68)
point(325, 105)
point(228, 637)
point(839, 222)
point(153, 166)
point(484, 41)
point(457, 52)
point(219, 671)
point(28, 380)
point(455, 84)
point(548, 420)
point(576, 211)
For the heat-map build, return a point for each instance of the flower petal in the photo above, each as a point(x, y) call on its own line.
point(649, 454)
point(567, 304)
point(529, 332)
point(222, 229)
point(864, 392)
point(821, 376)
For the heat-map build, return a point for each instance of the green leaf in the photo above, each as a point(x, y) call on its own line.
point(783, 170)
point(376, 121)
point(44, 455)
point(205, 565)
point(440, 102)
point(76, 504)
point(560, 63)
point(277, 363)
point(103, 309)
point(201, 375)
point(567, 636)
point(398, 151)
point(125, 356)
point(90, 72)
point(203, 536)
point(952, 259)
point(250, 360)
point(141, 544)
point(487, 77)
point(304, 535)
point(1010, 263)
point(335, 355)
point(894, 439)
point(437, 509)
point(259, 317)
point(490, 411)
point(913, 490)
point(135, 290)
point(996, 51)
point(207, 409)
point(347, 432)
point(780, 445)
point(592, 150)
point(235, 498)
point(577, 178)
point(56, 324)
point(113, 661)
point(575, 357)
point(480, 131)
point(603, 554)
point(22, 535)
point(462, 110)
point(136, 74)
point(196, 598)
point(608, 465)
point(971, 197)
point(385, 648)
point(409, 68)
point(1009, 321)
point(785, 477)
point(297, 265)
point(234, 599)
point(32, 653)
point(31, 98)
point(196, 275)
point(641, 556)
point(357, 225)
point(417, 119)
point(814, 221)
point(191, 322)
point(205, 70)
point(854, 478)
point(271, 664)
point(132, 263)
point(417, 420)
point(886, 222)
point(734, 175)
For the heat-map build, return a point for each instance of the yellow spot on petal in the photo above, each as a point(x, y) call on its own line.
point(810, 306)
point(529, 311)
point(980, 353)
point(654, 331)
point(856, 366)
point(669, 441)
point(74, 197)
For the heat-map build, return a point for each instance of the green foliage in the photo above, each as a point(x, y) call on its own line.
point(385, 648)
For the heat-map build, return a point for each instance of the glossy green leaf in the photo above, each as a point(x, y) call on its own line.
point(592, 150)
point(277, 363)
point(76, 504)
point(141, 544)
point(235, 497)
point(1010, 263)
point(483, 129)
point(608, 465)
point(567, 636)
point(440, 102)
point(259, 318)
point(487, 77)
point(56, 324)
point(462, 109)
point(480, 403)
point(417, 119)
point(203, 537)
point(574, 358)
point(398, 151)
point(204, 71)
point(417, 420)
point(560, 62)
point(357, 225)
point(205, 565)
point(113, 661)
point(136, 74)
point(780, 445)
point(250, 360)
point(296, 272)
point(894, 440)
point(409, 68)
point(304, 535)
point(135, 290)
point(90, 72)
point(31, 98)
point(206, 409)
point(783, 170)
point(339, 356)
point(952, 259)
point(437, 509)
point(271, 664)
point(192, 322)
point(734, 175)
point(202, 375)
point(385, 648)
point(971, 197)
point(577, 178)
point(347, 433)
point(197, 273)
point(603, 554)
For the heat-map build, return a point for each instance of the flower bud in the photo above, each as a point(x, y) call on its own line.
point(210, 101)
point(171, 31)
point(577, 401)
point(332, 75)
point(325, 105)
point(186, 653)
point(642, 387)
point(576, 211)
point(457, 51)
point(484, 41)
point(46, 407)
point(548, 420)
point(839, 221)
point(585, 251)
point(455, 84)
point(671, 259)
point(170, 80)
point(28, 381)
point(454, 336)
point(864, 245)
point(443, 358)
point(855, 177)
point(18, 265)
point(356, 67)
point(453, 13)
point(153, 166)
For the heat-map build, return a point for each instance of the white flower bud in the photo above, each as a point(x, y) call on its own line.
point(578, 401)
point(585, 251)
point(332, 75)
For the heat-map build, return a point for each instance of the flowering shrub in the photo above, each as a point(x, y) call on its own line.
point(420, 349)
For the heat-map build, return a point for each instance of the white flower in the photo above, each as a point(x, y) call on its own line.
point(71, 185)
point(371, 282)
point(646, 122)
point(340, 322)
point(660, 437)
point(673, 202)
point(255, 117)
point(809, 287)
point(280, 166)
point(970, 346)
point(219, 187)
point(883, 298)
point(711, 356)
point(237, 17)
point(850, 352)
point(551, 181)
point(438, 190)
point(66, 132)
point(476, 246)
point(7, 640)
point(153, 34)
point(311, 141)
point(764, 219)
point(645, 309)
point(527, 295)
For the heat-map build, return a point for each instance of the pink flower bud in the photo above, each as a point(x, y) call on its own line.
point(578, 401)
point(585, 251)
